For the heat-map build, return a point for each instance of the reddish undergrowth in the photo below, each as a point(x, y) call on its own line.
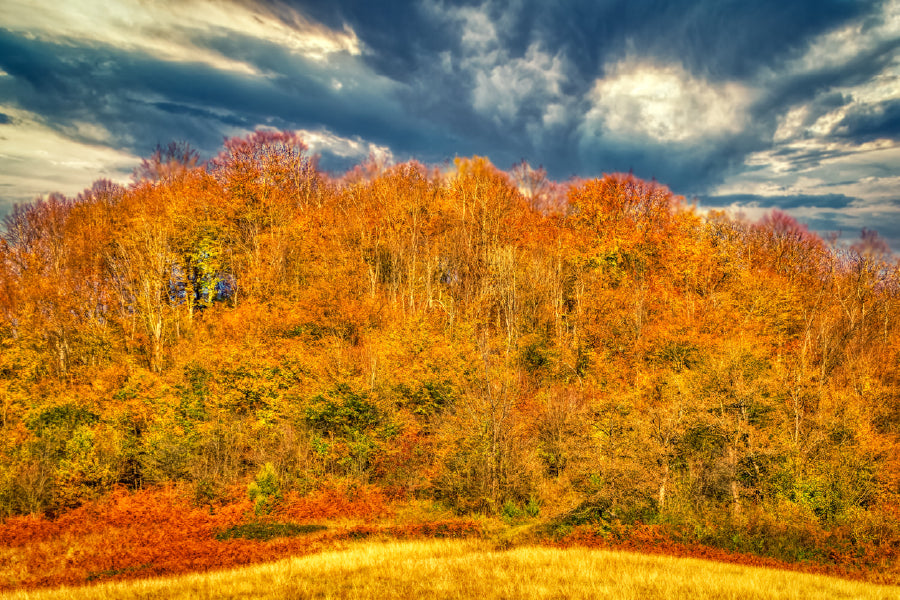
point(159, 532)
point(650, 539)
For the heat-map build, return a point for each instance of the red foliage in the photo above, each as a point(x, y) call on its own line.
point(354, 502)
point(158, 532)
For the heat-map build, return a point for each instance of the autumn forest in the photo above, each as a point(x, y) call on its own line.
point(596, 356)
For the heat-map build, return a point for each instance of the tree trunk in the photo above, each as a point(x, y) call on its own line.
point(734, 488)
point(662, 486)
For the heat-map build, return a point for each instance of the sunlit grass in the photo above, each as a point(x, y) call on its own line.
point(474, 569)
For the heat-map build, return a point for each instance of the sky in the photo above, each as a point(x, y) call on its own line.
point(745, 106)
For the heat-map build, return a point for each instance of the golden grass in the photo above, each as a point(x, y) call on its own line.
point(475, 569)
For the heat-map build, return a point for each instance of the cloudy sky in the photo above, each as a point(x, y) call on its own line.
point(793, 104)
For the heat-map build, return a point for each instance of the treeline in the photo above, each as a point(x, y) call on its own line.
point(494, 341)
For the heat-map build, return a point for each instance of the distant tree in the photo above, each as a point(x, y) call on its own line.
point(167, 161)
point(871, 246)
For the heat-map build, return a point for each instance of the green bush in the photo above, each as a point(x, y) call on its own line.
point(265, 490)
point(267, 531)
point(510, 511)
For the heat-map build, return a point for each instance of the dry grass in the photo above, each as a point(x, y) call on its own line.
point(475, 569)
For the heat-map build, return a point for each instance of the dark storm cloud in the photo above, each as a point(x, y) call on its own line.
point(815, 83)
point(405, 42)
point(35, 64)
point(786, 202)
point(193, 112)
point(4, 119)
point(718, 40)
point(436, 79)
point(401, 37)
point(143, 101)
point(430, 113)
point(872, 122)
point(728, 38)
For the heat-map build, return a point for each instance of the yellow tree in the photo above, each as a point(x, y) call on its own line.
point(144, 264)
point(268, 177)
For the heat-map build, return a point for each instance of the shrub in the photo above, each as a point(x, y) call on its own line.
point(267, 531)
point(265, 490)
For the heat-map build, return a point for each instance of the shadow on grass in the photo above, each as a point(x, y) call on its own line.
point(267, 531)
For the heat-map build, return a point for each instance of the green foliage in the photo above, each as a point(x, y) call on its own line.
point(89, 467)
point(535, 356)
point(267, 531)
point(317, 331)
point(510, 511)
point(610, 263)
point(60, 420)
point(194, 392)
point(265, 490)
point(769, 476)
point(206, 268)
point(835, 490)
point(428, 398)
point(72, 456)
point(597, 510)
point(552, 456)
point(703, 439)
point(791, 540)
point(26, 486)
point(677, 355)
point(250, 387)
point(343, 412)
point(349, 430)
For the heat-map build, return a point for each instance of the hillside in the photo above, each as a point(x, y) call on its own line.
point(595, 353)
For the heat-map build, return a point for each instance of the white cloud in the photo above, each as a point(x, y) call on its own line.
point(832, 168)
point(323, 140)
point(174, 31)
point(839, 49)
point(663, 103)
point(504, 84)
point(858, 172)
point(845, 44)
point(36, 160)
point(812, 153)
point(791, 124)
point(501, 89)
point(478, 31)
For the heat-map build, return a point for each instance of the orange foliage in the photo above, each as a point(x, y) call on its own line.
point(158, 532)
point(365, 502)
point(460, 335)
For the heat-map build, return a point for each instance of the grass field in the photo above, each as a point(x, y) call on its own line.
point(475, 569)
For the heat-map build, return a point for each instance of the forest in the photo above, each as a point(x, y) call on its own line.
point(594, 353)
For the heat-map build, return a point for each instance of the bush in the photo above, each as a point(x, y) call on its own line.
point(510, 511)
point(267, 531)
point(265, 490)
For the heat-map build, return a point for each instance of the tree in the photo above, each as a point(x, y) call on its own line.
point(167, 162)
point(270, 180)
